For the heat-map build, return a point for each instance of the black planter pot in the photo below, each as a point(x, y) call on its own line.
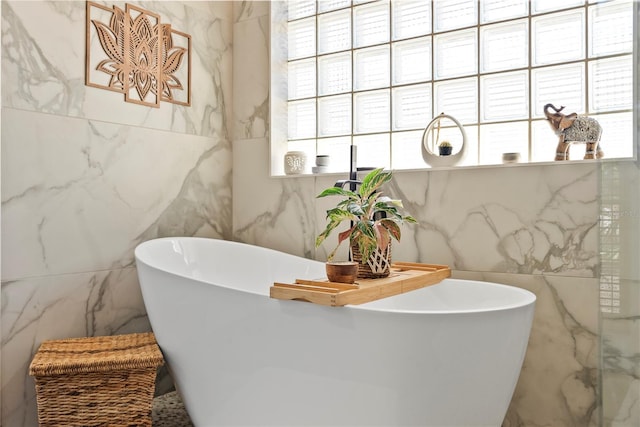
point(445, 151)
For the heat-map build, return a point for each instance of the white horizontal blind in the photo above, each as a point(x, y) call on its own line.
point(499, 10)
point(374, 73)
point(456, 54)
point(371, 24)
point(611, 84)
point(334, 31)
point(453, 14)
point(504, 96)
point(558, 37)
point(611, 29)
point(504, 46)
point(548, 82)
point(334, 115)
point(411, 19)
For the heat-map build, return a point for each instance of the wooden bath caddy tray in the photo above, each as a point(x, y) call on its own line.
point(404, 277)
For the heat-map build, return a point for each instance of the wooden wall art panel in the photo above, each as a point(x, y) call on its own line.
point(132, 52)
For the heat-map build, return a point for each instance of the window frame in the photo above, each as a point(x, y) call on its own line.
point(278, 135)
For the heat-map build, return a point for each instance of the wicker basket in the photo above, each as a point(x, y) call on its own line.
point(379, 260)
point(100, 381)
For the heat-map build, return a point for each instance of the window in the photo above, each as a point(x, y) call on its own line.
point(374, 74)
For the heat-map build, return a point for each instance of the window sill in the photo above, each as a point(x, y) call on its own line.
point(471, 167)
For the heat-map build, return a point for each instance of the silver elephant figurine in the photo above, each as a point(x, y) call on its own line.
point(572, 128)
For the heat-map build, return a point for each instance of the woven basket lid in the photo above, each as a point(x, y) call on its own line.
point(96, 354)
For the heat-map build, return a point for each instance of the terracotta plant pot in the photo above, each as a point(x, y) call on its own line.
point(342, 271)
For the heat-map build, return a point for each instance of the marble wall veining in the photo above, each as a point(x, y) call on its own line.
point(536, 226)
point(86, 177)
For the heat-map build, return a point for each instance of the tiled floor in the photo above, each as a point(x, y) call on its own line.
point(168, 411)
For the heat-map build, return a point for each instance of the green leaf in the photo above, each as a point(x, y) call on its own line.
point(337, 191)
point(333, 253)
point(367, 181)
point(366, 238)
point(373, 181)
point(383, 207)
point(333, 223)
point(366, 229)
point(366, 246)
point(395, 202)
point(388, 204)
point(327, 231)
point(410, 219)
point(384, 199)
point(337, 214)
point(355, 209)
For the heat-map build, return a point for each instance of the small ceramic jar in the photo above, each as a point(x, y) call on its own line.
point(322, 160)
point(295, 162)
point(510, 157)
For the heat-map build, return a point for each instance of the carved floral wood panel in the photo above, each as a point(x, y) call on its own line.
point(132, 52)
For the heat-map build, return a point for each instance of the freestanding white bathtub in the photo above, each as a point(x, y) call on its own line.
point(445, 355)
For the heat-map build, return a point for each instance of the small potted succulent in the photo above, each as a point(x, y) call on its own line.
point(374, 220)
point(445, 148)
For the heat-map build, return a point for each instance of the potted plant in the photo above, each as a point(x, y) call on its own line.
point(374, 220)
point(445, 148)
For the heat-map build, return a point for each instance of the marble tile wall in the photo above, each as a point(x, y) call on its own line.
point(86, 177)
point(536, 227)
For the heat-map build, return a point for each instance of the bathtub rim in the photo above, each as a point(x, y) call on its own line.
point(526, 297)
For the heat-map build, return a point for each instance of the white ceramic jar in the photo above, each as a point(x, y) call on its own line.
point(295, 162)
point(322, 160)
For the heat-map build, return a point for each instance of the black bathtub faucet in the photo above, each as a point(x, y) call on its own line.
point(353, 180)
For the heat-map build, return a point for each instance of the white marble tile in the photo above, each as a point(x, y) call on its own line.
point(278, 84)
point(248, 9)
point(180, 11)
point(517, 220)
point(43, 66)
point(79, 195)
point(32, 77)
point(251, 78)
point(620, 355)
point(558, 384)
point(272, 212)
point(54, 307)
point(621, 400)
